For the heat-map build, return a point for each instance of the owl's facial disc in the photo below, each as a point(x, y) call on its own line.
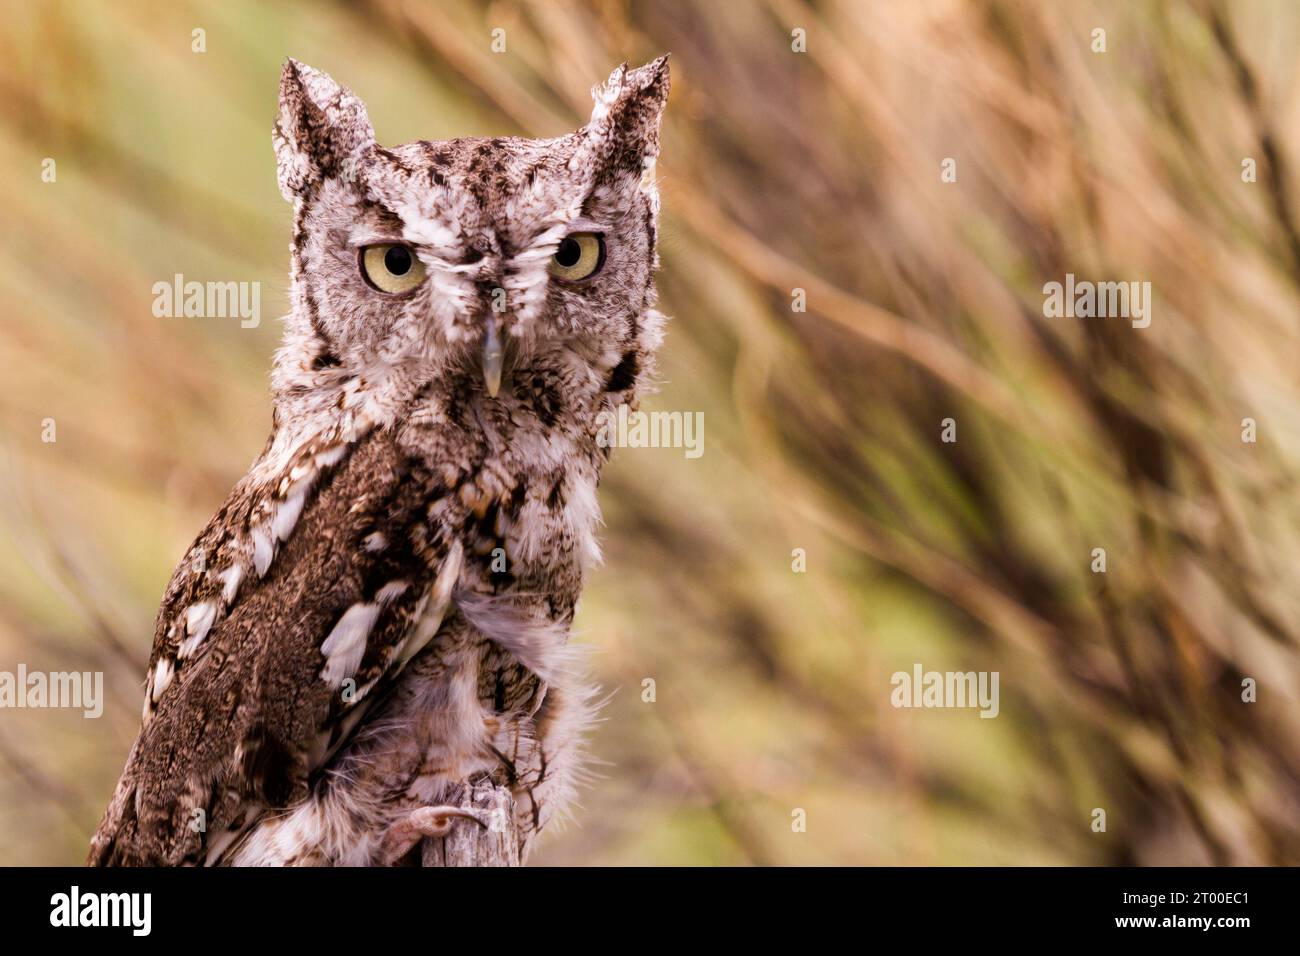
point(502, 254)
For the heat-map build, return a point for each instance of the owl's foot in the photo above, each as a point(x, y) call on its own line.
point(423, 822)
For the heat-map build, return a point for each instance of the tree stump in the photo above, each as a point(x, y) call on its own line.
point(490, 840)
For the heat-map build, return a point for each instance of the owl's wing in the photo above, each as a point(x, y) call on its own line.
point(280, 628)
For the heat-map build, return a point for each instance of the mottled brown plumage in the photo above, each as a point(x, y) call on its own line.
point(379, 612)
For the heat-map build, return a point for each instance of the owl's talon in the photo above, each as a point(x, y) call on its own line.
point(436, 821)
point(420, 823)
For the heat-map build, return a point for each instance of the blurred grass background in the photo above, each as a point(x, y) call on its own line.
point(818, 171)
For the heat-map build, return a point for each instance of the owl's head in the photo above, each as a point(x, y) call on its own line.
point(472, 253)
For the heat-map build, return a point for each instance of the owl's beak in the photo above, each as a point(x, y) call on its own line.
point(493, 356)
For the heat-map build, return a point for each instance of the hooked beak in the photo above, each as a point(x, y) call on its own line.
point(493, 356)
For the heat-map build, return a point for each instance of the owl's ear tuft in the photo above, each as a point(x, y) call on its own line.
point(627, 114)
point(322, 130)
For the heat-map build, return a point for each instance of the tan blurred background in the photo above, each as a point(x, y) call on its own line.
point(781, 170)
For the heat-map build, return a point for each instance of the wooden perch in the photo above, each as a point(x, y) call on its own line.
point(490, 840)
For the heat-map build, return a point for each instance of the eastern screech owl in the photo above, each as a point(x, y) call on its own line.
point(378, 615)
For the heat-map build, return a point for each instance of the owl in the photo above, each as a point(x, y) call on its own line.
point(377, 618)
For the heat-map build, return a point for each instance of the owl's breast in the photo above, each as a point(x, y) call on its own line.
point(520, 496)
point(541, 539)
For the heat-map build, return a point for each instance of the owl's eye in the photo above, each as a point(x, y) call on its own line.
point(579, 257)
point(391, 268)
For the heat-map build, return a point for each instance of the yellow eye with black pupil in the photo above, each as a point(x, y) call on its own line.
point(578, 257)
point(392, 268)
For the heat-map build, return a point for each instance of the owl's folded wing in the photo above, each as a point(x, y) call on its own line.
point(284, 624)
